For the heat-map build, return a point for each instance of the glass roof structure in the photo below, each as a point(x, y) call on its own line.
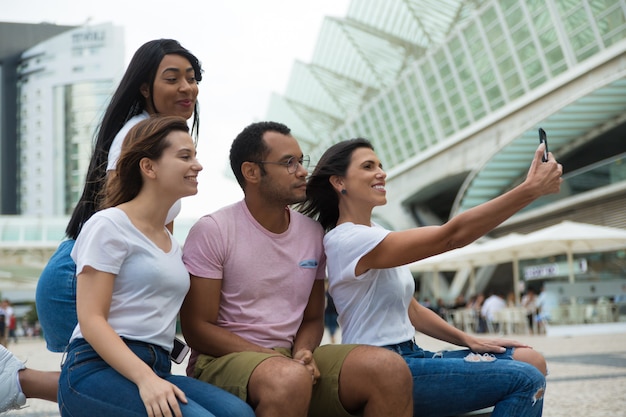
point(412, 75)
point(599, 110)
point(359, 56)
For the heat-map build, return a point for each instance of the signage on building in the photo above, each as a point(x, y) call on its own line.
point(88, 40)
point(89, 36)
point(555, 269)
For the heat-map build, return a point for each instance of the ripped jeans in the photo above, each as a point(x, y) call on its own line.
point(446, 384)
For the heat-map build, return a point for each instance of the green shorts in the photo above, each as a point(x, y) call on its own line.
point(232, 372)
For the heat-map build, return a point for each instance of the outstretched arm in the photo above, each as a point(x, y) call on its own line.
point(404, 247)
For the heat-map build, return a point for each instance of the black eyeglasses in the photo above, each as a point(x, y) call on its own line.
point(291, 163)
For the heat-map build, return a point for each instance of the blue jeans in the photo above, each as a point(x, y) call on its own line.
point(445, 384)
point(89, 387)
point(56, 298)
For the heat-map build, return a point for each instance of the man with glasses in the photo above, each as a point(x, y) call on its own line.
point(254, 311)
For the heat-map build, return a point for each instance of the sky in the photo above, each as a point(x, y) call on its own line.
point(247, 49)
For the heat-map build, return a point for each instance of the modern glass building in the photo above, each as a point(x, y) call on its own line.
point(55, 81)
point(63, 86)
point(452, 93)
point(16, 38)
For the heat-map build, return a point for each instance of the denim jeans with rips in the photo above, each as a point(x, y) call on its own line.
point(458, 381)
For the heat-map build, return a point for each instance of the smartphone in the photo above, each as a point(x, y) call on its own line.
point(179, 351)
point(543, 139)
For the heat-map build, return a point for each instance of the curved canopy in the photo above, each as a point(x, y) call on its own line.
point(566, 237)
point(562, 238)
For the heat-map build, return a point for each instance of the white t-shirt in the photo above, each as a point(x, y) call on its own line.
point(491, 306)
point(116, 149)
point(116, 146)
point(373, 307)
point(8, 312)
point(150, 284)
point(547, 302)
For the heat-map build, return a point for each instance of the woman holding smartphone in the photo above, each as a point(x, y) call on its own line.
point(373, 287)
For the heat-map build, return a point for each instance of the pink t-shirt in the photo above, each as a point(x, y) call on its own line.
point(266, 277)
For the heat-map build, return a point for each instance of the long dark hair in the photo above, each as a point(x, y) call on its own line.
point(127, 101)
point(147, 139)
point(322, 201)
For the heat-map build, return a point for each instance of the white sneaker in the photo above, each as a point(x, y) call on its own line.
point(11, 395)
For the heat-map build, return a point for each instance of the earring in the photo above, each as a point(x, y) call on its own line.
point(344, 192)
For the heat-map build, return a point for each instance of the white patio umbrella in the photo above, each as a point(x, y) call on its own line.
point(566, 238)
point(475, 254)
point(447, 261)
point(569, 238)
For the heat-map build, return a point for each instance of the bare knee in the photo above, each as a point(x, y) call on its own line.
point(532, 357)
point(387, 365)
point(278, 382)
point(377, 379)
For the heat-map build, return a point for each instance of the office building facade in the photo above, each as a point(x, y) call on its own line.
point(16, 38)
point(62, 86)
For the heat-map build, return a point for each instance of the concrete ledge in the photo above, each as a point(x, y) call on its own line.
point(485, 412)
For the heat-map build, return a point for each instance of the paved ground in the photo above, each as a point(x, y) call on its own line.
point(587, 373)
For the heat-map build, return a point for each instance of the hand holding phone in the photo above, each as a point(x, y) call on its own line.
point(544, 139)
